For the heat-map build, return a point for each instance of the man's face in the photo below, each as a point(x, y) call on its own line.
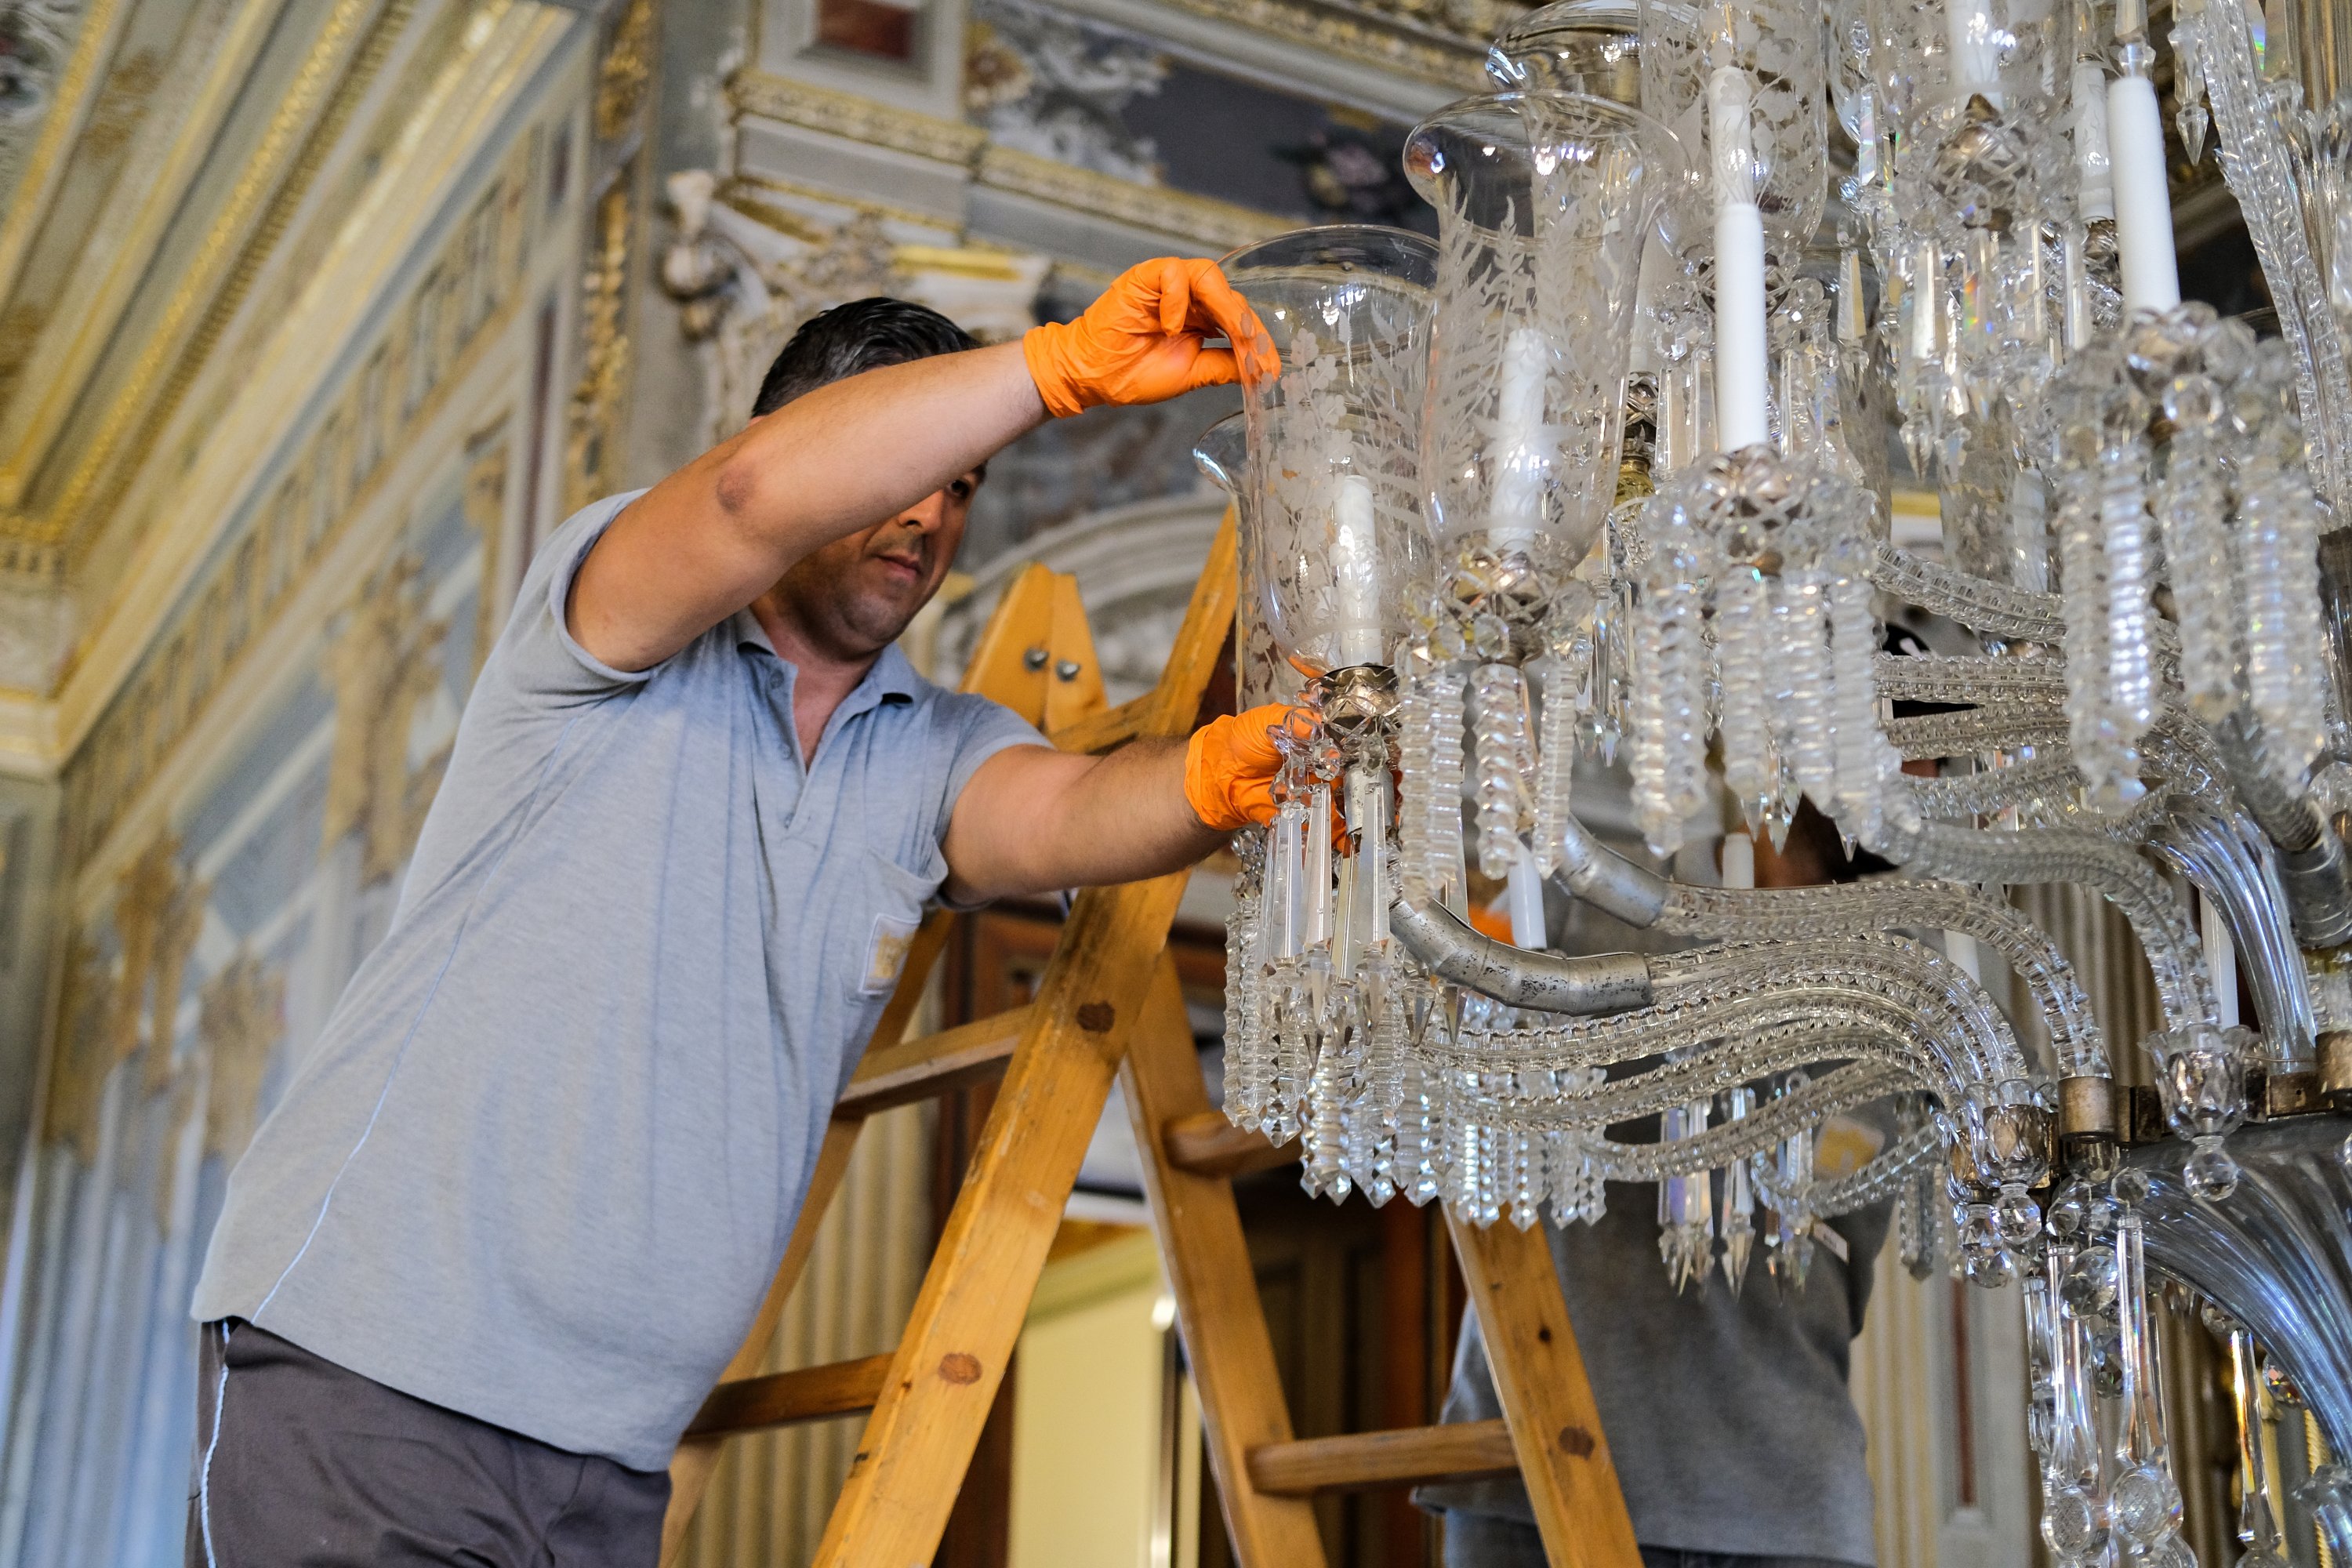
point(855, 595)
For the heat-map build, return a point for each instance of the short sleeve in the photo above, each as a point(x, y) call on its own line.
point(539, 656)
point(979, 730)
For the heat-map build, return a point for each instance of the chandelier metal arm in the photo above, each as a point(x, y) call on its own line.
point(1518, 977)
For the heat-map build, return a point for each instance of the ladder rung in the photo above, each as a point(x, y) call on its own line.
point(934, 1064)
point(1111, 727)
point(1363, 1460)
point(1206, 1144)
point(779, 1399)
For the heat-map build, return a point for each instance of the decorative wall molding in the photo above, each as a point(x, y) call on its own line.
point(382, 660)
point(1219, 226)
point(857, 118)
point(1442, 43)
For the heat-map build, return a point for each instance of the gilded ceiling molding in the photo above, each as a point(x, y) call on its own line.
point(118, 248)
point(858, 118)
point(79, 1063)
point(201, 481)
point(1217, 225)
point(282, 162)
point(27, 201)
point(225, 635)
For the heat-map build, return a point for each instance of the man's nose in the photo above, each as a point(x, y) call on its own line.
point(926, 515)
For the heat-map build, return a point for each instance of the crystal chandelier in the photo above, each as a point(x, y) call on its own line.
point(1600, 470)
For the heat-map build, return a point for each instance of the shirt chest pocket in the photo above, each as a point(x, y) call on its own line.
point(886, 918)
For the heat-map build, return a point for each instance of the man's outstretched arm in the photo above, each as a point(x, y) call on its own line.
point(719, 532)
point(1034, 820)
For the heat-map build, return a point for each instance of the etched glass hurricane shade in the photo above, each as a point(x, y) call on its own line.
point(1333, 533)
point(1776, 46)
point(1543, 201)
point(1592, 46)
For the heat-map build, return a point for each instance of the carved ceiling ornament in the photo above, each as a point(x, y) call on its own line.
point(241, 1021)
point(383, 659)
point(36, 36)
point(592, 446)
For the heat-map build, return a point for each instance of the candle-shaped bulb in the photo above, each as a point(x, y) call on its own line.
point(1520, 465)
point(2151, 268)
point(1356, 565)
point(1731, 134)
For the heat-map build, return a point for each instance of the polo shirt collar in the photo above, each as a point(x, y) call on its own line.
point(892, 677)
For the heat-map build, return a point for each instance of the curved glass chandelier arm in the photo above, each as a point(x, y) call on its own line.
point(1977, 603)
point(1876, 1182)
point(1996, 790)
point(1597, 874)
point(1841, 1088)
point(2233, 865)
point(1925, 736)
point(1517, 976)
point(1861, 907)
point(1602, 1102)
point(2036, 856)
point(1940, 678)
point(1955, 1010)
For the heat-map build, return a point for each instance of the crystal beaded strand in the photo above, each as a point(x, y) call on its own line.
point(2123, 515)
point(1805, 656)
point(2280, 541)
point(2190, 503)
point(2097, 754)
point(1855, 638)
point(1742, 656)
point(1556, 764)
point(1498, 716)
point(1248, 1067)
point(1669, 762)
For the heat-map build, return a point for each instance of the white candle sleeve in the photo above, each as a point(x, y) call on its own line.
point(1740, 364)
point(1356, 564)
point(2143, 203)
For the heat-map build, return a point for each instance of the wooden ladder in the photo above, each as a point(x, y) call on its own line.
point(1108, 1004)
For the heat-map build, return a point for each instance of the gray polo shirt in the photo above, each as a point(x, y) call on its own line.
point(546, 1152)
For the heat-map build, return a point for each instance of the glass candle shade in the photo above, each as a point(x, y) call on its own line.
point(1333, 548)
point(1776, 45)
point(1543, 202)
point(1592, 46)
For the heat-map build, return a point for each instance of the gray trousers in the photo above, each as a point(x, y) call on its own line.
point(1482, 1540)
point(301, 1464)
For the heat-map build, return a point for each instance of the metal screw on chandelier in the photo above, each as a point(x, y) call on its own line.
point(1597, 471)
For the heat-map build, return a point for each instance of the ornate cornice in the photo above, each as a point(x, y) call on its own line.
point(858, 118)
point(1210, 223)
point(1442, 43)
point(1216, 225)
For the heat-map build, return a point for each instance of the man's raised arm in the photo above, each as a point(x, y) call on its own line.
point(719, 532)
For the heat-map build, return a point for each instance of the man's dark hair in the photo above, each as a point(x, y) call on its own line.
point(864, 334)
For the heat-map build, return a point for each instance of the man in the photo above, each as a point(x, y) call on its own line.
point(518, 1205)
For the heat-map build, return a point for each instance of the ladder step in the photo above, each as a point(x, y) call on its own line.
point(1111, 727)
point(1364, 1460)
point(1206, 1144)
point(779, 1399)
point(933, 1064)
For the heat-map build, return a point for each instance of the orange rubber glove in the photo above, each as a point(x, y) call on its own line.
point(1140, 342)
point(1229, 767)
